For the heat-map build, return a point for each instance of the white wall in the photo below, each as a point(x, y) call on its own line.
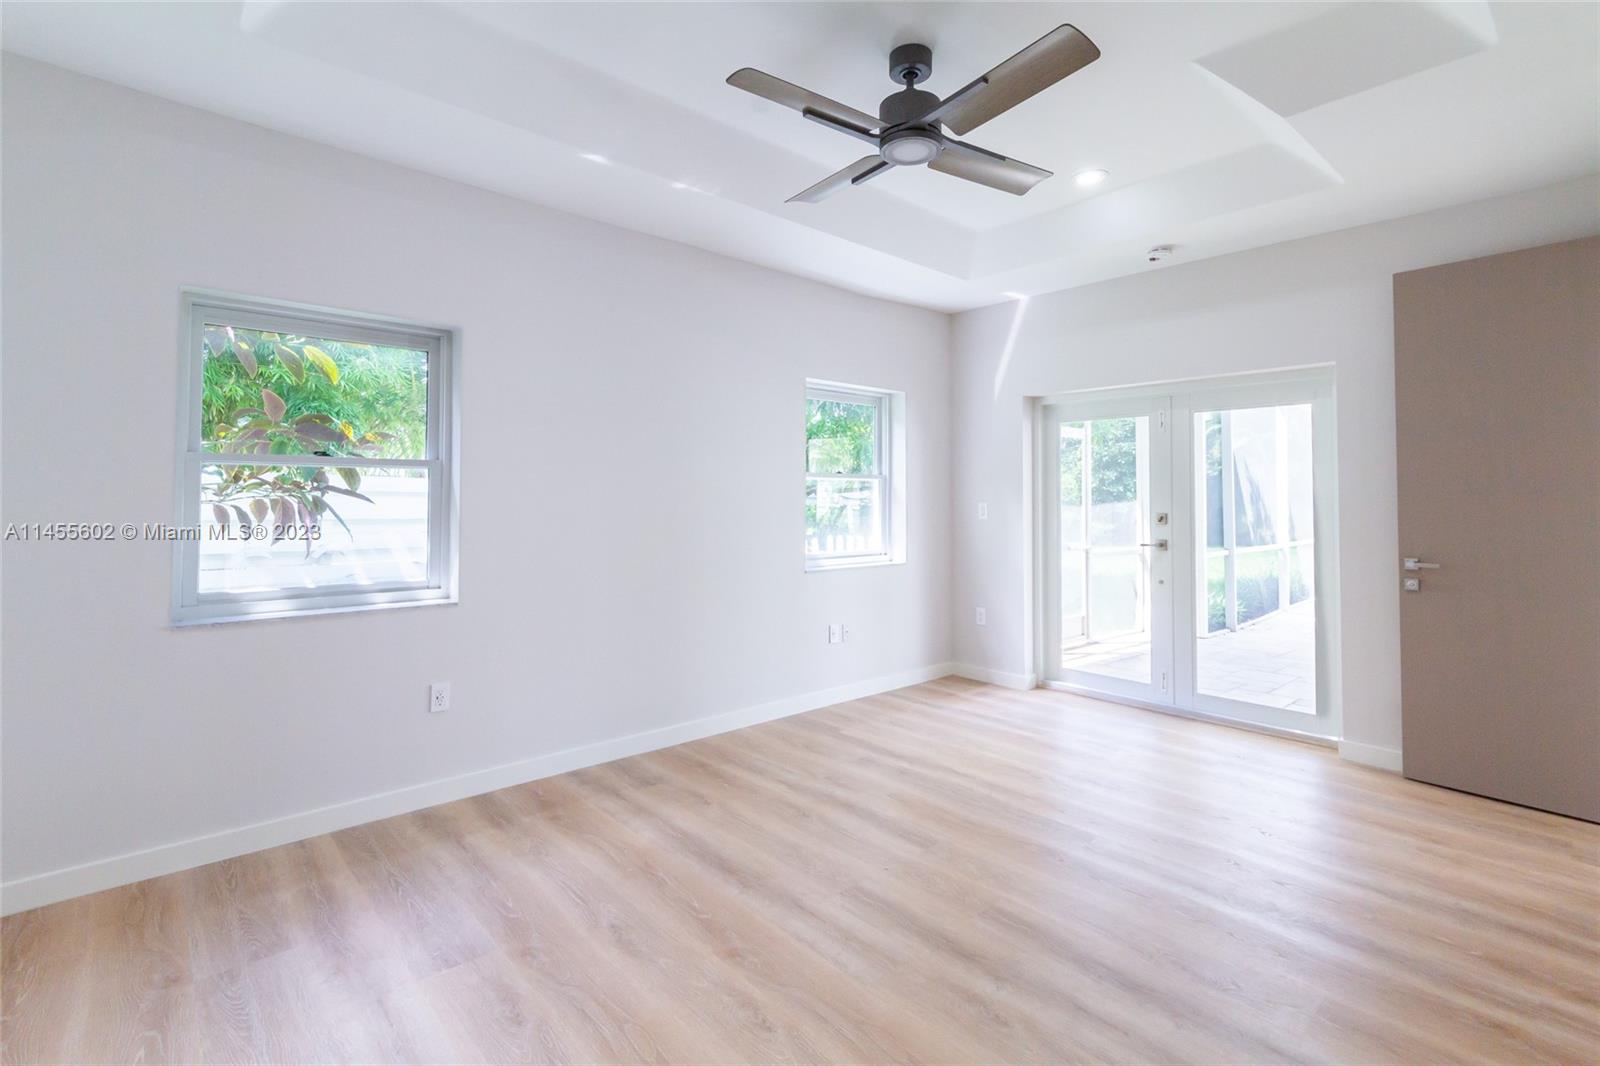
point(1323, 300)
point(650, 390)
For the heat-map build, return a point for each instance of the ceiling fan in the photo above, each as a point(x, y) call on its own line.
point(907, 131)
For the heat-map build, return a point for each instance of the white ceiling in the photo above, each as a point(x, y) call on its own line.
point(1224, 126)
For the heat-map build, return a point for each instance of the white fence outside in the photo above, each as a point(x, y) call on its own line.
point(387, 544)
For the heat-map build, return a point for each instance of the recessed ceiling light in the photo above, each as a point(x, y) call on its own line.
point(685, 186)
point(593, 157)
point(1086, 178)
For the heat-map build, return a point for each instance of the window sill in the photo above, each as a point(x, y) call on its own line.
point(816, 565)
point(280, 614)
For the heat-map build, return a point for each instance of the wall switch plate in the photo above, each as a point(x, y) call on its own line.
point(835, 633)
point(982, 617)
point(983, 511)
point(438, 697)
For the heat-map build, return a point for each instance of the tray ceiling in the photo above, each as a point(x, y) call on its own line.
point(1223, 126)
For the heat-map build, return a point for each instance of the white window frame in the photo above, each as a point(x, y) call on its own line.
point(887, 470)
point(189, 607)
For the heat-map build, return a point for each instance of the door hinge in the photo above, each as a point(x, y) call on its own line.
point(1161, 420)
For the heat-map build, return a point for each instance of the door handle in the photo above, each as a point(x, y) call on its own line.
point(1417, 564)
point(1159, 545)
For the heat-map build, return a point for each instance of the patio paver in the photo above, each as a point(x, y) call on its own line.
point(1271, 661)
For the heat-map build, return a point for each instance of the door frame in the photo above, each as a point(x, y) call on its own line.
point(1311, 384)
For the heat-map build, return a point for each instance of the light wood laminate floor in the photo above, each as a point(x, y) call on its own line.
point(948, 873)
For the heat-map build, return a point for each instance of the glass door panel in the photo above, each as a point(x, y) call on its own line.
point(1256, 634)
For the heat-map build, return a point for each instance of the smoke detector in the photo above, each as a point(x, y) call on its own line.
point(1158, 253)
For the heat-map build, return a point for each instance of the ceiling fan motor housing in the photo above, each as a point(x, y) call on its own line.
point(905, 106)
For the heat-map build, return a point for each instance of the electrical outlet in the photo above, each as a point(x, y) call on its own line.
point(983, 511)
point(982, 617)
point(438, 697)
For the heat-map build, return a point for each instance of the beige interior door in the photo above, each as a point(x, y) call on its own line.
point(1497, 393)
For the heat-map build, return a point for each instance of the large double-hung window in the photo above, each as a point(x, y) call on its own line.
point(317, 465)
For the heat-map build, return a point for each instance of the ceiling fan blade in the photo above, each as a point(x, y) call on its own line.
point(790, 95)
point(1062, 51)
point(863, 169)
point(968, 161)
point(843, 127)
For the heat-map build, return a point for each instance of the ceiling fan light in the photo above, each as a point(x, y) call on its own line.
point(910, 149)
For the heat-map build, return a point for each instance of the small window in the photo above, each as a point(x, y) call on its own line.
point(850, 490)
point(316, 471)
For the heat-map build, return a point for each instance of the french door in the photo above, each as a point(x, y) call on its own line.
point(1180, 555)
point(1106, 467)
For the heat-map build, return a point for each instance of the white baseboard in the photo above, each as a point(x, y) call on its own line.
point(1371, 755)
point(994, 677)
point(56, 885)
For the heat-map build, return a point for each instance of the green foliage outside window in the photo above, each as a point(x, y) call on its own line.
point(840, 439)
point(274, 394)
point(1071, 455)
point(1115, 452)
point(1116, 460)
point(1256, 582)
